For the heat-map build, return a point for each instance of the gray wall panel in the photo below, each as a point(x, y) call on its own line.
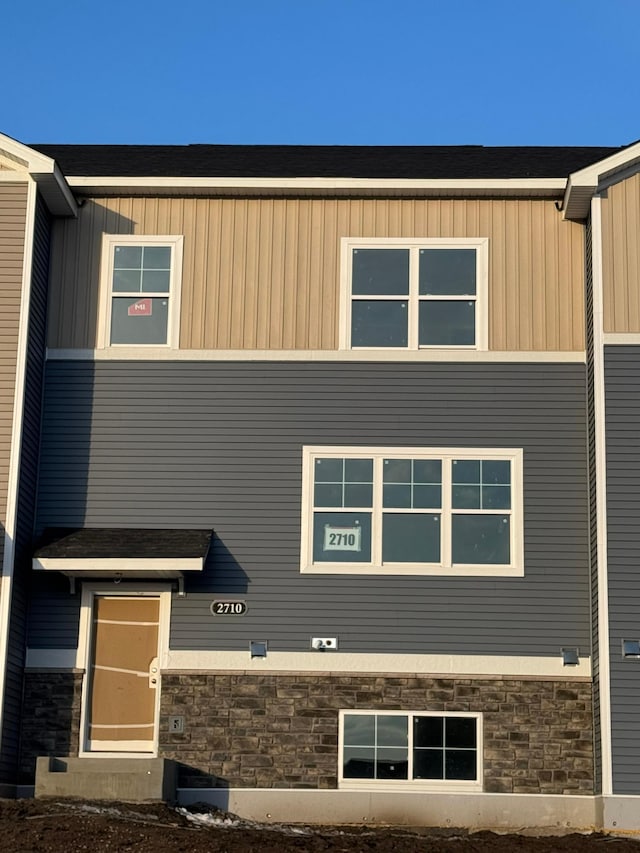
point(622, 377)
point(220, 445)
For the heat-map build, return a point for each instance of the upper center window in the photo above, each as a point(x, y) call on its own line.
point(414, 295)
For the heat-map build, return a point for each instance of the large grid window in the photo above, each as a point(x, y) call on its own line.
point(412, 295)
point(416, 747)
point(140, 290)
point(412, 510)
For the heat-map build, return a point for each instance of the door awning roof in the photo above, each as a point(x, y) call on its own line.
point(122, 552)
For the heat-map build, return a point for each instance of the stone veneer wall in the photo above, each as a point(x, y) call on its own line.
point(50, 718)
point(281, 731)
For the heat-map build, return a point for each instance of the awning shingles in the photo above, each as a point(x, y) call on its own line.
point(124, 551)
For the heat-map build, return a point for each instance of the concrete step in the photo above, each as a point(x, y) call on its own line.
point(134, 780)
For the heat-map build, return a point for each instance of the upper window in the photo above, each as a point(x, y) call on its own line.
point(412, 511)
point(421, 749)
point(141, 287)
point(415, 294)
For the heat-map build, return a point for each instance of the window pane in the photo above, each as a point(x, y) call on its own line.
point(341, 537)
point(358, 495)
point(327, 494)
point(481, 539)
point(379, 324)
point(392, 730)
point(465, 471)
point(396, 497)
point(427, 497)
point(450, 323)
point(396, 471)
point(428, 764)
point(448, 272)
point(359, 729)
point(139, 321)
point(358, 763)
point(358, 470)
point(155, 281)
point(428, 731)
point(392, 763)
point(427, 471)
point(496, 472)
point(156, 257)
point(127, 258)
point(380, 272)
point(127, 281)
point(329, 470)
point(459, 764)
point(496, 497)
point(465, 497)
point(410, 538)
point(460, 732)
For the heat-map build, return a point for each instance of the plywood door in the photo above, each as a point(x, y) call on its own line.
point(123, 674)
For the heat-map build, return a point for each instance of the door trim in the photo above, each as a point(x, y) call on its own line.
point(83, 660)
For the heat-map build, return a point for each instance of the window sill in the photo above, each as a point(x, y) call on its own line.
point(417, 785)
point(393, 570)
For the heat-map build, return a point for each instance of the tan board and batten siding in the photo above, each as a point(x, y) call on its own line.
point(621, 256)
point(264, 273)
point(13, 215)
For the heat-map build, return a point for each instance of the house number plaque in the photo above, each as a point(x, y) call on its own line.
point(228, 608)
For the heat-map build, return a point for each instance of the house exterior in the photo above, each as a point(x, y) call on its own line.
point(319, 470)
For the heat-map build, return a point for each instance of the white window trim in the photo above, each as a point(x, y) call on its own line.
point(109, 241)
point(460, 785)
point(445, 568)
point(480, 244)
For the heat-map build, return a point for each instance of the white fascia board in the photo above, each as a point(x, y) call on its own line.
point(45, 172)
point(542, 187)
point(125, 566)
point(582, 185)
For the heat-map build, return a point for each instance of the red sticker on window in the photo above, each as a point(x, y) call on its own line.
point(140, 309)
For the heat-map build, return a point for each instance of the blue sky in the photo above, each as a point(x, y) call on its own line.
point(399, 72)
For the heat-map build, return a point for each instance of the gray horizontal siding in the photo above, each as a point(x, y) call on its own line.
point(622, 377)
point(220, 445)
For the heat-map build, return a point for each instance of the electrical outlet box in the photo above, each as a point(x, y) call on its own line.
point(323, 644)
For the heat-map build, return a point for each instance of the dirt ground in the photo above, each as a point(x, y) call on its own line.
point(49, 826)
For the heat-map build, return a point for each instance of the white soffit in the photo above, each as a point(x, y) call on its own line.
point(582, 185)
point(45, 172)
point(551, 188)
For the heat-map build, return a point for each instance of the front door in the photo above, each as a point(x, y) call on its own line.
point(123, 676)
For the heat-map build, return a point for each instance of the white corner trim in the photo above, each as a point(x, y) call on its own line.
point(359, 663)
point(604, 668)
point(339, 355)
point(6, 583)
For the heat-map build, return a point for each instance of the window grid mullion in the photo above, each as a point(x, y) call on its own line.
point(377, 512)
point(413, 306)
point(410, 747)
point(445, 519)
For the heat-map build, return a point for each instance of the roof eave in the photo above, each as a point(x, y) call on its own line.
point(583, 184)
point(310, 186)
point(53, 185)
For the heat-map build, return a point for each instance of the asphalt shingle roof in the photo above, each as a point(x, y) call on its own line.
point(305, 161)
point(126, 543)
